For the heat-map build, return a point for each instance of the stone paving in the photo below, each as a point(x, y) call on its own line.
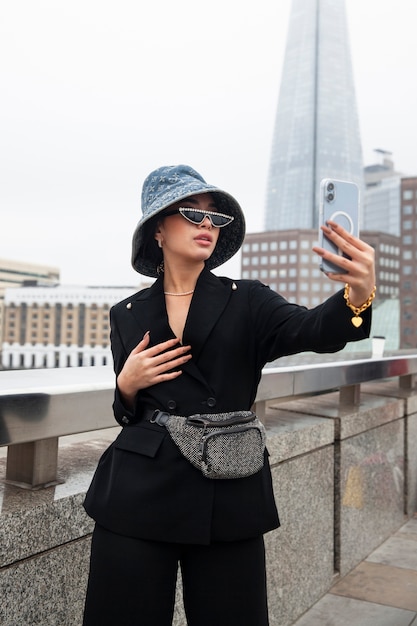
point(380, 591)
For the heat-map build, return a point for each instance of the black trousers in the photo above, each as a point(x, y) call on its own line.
point(132, 582)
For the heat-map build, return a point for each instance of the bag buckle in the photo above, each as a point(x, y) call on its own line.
point(159, 417)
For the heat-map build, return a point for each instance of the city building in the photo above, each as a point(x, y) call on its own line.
point(16, 273)
point(284, 260)
point(408, 284)
point(381, 201)
point(58, 326)
point(316, 132)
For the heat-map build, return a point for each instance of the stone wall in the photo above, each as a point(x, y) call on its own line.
point(344, 477)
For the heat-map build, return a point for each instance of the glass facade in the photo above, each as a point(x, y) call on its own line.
point(316, 132)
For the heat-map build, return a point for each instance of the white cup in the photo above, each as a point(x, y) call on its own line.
point(378, 345)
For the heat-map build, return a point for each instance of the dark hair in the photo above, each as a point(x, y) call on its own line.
point(150, 248)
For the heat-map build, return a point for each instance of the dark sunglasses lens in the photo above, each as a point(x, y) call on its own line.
point(194, 216)
point(219, 220)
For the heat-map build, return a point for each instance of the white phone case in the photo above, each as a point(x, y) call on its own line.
point(339, 202)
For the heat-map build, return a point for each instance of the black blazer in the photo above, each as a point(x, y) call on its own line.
point(143, 487)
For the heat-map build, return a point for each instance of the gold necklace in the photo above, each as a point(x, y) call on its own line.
point(184, 293)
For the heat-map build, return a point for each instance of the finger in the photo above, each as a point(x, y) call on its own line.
point(162, 347)
point(168, 355)
point(334, 231)
point(170, 363)
point(167, 371)
point(143, 343)
point(161, 378)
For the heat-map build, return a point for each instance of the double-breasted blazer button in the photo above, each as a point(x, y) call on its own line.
point(171, 404)
point(125, 419)
point(211, 402)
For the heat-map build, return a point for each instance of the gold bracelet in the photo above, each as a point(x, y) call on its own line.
point(357, 310)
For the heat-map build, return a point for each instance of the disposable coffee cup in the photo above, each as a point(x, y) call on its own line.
point(378, 345)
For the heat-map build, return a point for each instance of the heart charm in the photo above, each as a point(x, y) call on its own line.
point(356, 321)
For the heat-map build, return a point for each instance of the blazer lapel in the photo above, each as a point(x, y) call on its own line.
point(149, 311)
point(210, 298)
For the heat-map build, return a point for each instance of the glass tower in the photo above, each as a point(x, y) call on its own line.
point(316, 132)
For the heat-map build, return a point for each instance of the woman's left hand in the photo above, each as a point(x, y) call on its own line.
point(360, 268)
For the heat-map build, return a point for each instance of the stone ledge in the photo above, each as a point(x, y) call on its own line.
point(350, 420)
point(291, 434)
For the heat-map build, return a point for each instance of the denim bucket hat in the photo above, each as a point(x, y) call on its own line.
point(165, 186)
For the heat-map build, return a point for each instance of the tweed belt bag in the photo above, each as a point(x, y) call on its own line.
point(222, 445)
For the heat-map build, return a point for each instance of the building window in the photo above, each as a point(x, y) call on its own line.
point(407, 224)
point(255, 247)
point(264, 246)
point(407, 209)
point(407, 194)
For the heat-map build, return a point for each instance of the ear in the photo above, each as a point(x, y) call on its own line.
point(158, 236)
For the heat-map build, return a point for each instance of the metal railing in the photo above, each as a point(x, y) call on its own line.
point(39, 406)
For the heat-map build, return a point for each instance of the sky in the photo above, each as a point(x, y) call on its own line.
point(95, 94)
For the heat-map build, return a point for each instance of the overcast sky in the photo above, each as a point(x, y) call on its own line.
point(97, 93)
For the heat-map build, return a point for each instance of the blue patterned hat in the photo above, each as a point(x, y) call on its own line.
point(168, 185)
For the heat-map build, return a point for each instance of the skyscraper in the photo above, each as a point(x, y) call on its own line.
point(381, 203)
point(316, 131)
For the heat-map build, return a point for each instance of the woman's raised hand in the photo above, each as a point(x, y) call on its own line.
point(148, 366)
point(360, 268)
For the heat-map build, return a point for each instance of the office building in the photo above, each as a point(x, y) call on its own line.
point(381, 201)
point(408, 288)
point(316, 132)
point(58, 326)
point(284, 260)
point(15, 273)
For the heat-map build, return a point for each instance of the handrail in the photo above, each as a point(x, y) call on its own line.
point(39, 406)
point(36, 404)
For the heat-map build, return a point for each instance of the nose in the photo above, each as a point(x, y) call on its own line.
point(206, 223)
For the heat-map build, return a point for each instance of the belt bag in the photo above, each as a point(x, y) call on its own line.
point(222, 445)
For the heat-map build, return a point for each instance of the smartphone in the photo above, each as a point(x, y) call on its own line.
point(339, 202)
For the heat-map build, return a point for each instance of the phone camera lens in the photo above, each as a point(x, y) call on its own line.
point(330, 187)
point(330, 197)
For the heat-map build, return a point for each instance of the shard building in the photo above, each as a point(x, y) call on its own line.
point(316, 132)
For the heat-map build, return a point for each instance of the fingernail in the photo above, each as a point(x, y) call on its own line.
point(148, 332)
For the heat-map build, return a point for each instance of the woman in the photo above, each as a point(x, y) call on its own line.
point(196, 343)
